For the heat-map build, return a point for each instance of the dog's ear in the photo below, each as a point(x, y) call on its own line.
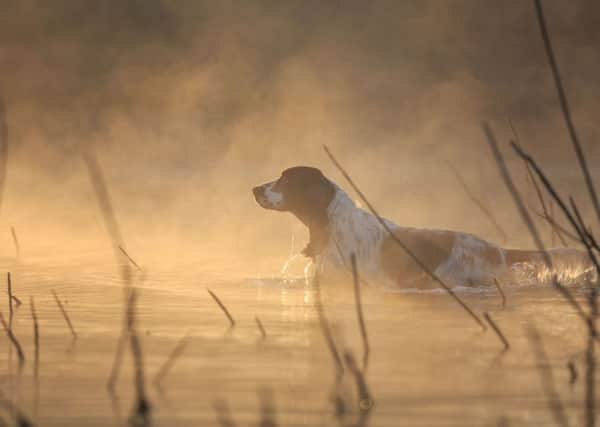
point(310, 201)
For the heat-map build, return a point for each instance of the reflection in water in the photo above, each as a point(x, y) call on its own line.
point(429, 364)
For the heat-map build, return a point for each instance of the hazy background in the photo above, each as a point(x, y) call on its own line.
point(190, 103)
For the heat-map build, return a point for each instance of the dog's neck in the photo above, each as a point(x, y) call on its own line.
point(319, 226)
point(322, 233)
point(318, 236)
point(352, 230)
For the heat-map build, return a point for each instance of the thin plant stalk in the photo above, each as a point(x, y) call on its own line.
point(497, 330)
point(13, 339)
point(480, 205)
point(527, 218)
point(500, 291)
point(16, 242)
point(36, 354)
point(564, 105)
point(223, 308)
point(173, 357)
point(261, 328)
point(65, 314)
point(10, 300)
point(556, 406)
point(326, 330)
point(359, 313)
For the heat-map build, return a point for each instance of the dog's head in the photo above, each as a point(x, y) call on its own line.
point(301, 190)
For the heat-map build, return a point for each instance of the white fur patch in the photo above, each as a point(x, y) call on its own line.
point(353, 230)
point(273, 198)
point(467, 261)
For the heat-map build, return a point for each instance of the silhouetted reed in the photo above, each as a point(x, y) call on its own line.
point(220, 304)
point(480, 205)
point(142, 409)
point(574, 218)
point(13, 339)
point(514, 192)
point(16, 242)
point(124, 252)
point(406, 249)
point(104, 202)
point(576, 221)
point(116, 365)
point(326, 330)
point(581, 230)
point(590, 363)
point(497, 330)
point(500, 291)
point(10, 300)
point(141, 415)
point(359, 312)
point(546, 376)
point(527, 218)
point(224, 417)
point(572, 372)
point(563, 231)
point(3, 149)
point(365, 399)
point(547, 214)
point(586, 235)
point(19, 417)
point(554, 233)
point(36, 351)
point(564, 105)
point(65, 314)
point(171, 359)
point(36, 329)
point(267, 408)
point(261, 328)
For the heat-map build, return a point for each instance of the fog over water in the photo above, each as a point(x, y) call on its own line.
point(190, 103)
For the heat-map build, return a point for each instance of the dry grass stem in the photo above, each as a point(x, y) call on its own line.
point(497, 330)
point(173, 357)
point(546, 376)
point(564, 105)
point(16, 242)
point(480, 205)
point(124, 252)
point(222, 306)
point(261, 328)
point(500, 291)
point(326, 330)
point(359, 313)
point(13, 340)
point(65, 314)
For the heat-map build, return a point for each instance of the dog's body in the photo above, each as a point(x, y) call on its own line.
point(338, 228)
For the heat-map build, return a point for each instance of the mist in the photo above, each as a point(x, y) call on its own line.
point(189, 104)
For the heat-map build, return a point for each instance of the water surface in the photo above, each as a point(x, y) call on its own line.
point(430, 364)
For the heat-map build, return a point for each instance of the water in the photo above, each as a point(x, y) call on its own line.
point(430, 364)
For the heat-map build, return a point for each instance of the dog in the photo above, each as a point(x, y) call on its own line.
point(338, 229)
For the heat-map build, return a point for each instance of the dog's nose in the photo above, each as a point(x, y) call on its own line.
point(258, 191)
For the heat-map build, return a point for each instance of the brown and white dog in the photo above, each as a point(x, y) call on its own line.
point(338, 228)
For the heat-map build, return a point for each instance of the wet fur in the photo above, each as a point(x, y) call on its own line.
point(338, 228)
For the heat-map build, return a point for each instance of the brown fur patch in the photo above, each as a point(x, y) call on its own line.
point(431, 247)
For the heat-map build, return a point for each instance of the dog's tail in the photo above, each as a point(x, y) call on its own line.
point(570, 266)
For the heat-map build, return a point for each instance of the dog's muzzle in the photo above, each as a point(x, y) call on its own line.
point(267, 198)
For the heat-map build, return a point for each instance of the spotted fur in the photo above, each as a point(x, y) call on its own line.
point(339, 228)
